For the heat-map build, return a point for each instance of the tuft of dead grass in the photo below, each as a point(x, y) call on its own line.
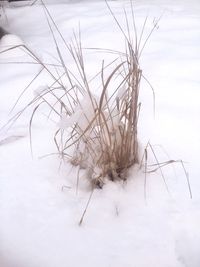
point(97, 133)
point(103, 129)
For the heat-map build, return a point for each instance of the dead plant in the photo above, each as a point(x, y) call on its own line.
point(97, 133)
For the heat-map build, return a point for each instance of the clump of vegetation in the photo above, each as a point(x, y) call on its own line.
point(97, 133)
point(103, 129)
point(100, 130)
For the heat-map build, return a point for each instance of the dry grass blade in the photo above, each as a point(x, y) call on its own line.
point(159, 167)
point(85, 210)
point(151, 168)
point(187, 177)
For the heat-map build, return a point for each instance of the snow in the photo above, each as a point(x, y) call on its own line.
point(39, 206)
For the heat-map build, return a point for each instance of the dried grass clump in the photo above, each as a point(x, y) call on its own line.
point(103, 130)
point(97, 133)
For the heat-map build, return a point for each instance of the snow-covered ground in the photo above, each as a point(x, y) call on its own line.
point(39, 207)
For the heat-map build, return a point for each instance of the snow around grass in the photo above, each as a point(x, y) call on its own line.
point(39, 206)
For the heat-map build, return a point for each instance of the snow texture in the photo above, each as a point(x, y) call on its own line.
point(39, 206)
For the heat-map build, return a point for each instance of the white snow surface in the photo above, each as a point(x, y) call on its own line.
point(39, 206)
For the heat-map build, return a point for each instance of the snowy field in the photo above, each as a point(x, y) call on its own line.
point(39, 206)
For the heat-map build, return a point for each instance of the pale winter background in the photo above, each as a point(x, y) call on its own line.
point(39, 206)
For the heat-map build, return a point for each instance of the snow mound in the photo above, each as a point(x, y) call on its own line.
point(11, 46)
point(188, 239)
